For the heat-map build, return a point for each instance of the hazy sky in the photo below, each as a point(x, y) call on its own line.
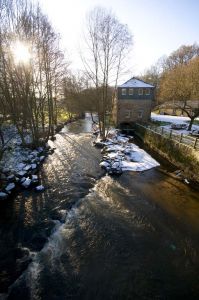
point(158, 26)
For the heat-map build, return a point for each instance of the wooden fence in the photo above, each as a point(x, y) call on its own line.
point(171, 134)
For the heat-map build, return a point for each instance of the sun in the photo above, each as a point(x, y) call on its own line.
point(21, 53)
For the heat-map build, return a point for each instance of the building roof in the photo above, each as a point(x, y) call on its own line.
point(136, 83)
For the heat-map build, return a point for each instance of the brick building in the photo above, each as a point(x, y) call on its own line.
point(133, 102)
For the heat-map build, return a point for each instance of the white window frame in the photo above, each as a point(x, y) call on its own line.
point(131, 92)
point(140, 91)
point(123, 92)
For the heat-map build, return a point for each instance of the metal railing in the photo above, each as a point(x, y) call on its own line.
point(171, 134)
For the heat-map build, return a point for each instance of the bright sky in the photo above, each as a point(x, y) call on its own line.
point(158, 26)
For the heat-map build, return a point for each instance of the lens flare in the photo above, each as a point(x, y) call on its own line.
point(21, 53)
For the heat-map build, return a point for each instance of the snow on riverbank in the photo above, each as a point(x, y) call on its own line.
point(170, 119)
point(120, 155)
point(174, 120)
point(18, 164)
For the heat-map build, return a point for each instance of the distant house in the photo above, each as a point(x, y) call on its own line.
point(133, 102)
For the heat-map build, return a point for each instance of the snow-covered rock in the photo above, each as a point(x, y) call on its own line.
point(35, 179)
point(10, 187)
point(11, 177)
point(41, 158)
point(21, 173)
point(120, 155)
point(40, 149)
point(136, 156)
point(3, 196)
point(27, 168)
point(22, 179)
point(35, 153)
point(20, 166)
point(39, 188)
point(33, 166)
point(104, 164)
point(30, 157)
point(35, 160)
point(27, 182)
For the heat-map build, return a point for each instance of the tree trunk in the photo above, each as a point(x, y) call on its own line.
point(191, 123)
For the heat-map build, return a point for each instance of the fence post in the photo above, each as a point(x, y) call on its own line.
point(162, 131)
point(195, 143)
point(181, 136)
point(170, 134)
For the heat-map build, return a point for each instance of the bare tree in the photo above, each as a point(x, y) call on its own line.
point(30, 89)
point(108, 42)
point(181, 56)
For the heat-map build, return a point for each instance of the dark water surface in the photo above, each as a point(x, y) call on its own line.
point(96, 237)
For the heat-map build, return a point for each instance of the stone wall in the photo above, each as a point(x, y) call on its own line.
point(183, 156)
point(130, 110)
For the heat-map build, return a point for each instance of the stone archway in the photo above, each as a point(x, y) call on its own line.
point(126, 127)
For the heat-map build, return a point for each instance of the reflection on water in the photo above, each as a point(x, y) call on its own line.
point(80, 126)
point(115, 244)
point(131, 237)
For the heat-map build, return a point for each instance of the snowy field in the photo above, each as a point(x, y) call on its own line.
point(174, 120)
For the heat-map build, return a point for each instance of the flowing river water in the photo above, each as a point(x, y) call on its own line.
point(91, 236)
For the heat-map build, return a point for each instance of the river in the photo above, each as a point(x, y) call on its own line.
point(91, 236)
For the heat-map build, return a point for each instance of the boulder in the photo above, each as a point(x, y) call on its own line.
point(11, 177)
point(40, 149)
point(39, 188)
point(30, 157)
point(27, 168)
point(22, 179)
point(3, 196)
point(20, 166)
point(104, 164)
point(99, 144)
point(27, 182)
point(21, 173)
point(35, 179)
point(33, 166)
point(10, 187)
point(42, 158)
point(34, 153)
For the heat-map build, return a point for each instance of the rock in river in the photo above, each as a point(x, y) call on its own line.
point(3, 196)
point(10, 187)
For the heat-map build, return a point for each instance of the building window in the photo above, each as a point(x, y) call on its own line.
point(140, 114)
point(140, 91)
point(127, 114)
point(130, 92)
point(123, 92)
point(147, 91)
